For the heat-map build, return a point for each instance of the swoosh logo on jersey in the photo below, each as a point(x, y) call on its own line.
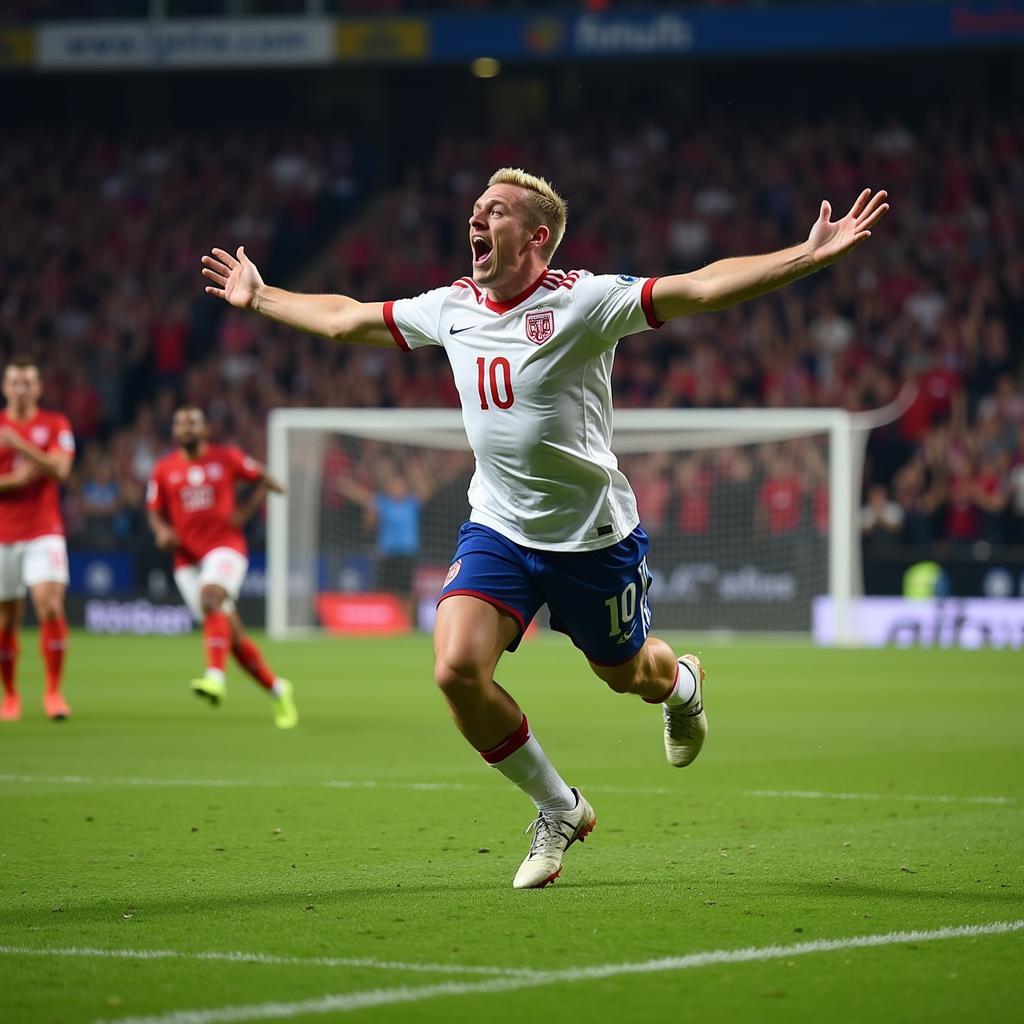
point(452, 330)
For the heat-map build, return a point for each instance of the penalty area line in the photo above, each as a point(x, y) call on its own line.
point(368, 999)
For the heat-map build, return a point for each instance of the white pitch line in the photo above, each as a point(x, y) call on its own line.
point(416, 787)
point(346, 1002)
point(266, 959)
point(813, 794)
point(85, 780)
point(426, 787)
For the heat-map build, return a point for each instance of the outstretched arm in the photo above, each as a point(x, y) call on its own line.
point(728, 282)
point(237, 281)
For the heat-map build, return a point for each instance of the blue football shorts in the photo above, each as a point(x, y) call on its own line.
point(597, 598)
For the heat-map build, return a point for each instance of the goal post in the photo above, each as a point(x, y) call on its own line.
point(740, 560)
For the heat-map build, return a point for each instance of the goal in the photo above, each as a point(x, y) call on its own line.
point(752, 513)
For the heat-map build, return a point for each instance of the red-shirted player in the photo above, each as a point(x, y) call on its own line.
point(192, 511)
point(36, 452)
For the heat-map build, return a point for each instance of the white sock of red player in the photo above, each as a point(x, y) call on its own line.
point(521, 759)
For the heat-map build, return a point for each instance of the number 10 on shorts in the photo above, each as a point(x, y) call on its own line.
point(622, 607)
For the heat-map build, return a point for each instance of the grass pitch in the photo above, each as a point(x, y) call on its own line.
point(164, 861)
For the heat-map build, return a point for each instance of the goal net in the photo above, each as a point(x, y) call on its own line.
point(751, 515)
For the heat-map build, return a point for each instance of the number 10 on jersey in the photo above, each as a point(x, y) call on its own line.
point(487, 380)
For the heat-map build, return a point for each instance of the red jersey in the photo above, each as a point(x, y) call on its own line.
point(33, 510)
point(197, 497)
point(780, 496)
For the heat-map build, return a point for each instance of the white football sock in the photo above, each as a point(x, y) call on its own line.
point(214, 673)
point(530, 770)
point(685, 688)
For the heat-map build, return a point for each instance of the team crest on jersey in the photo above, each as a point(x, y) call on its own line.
point(540, 326)
point(39, 435)
point(452, 572)
point(626, 279)
point(214, 471)
point(195, 475)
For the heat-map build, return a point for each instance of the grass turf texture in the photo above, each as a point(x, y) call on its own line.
point(146, 852)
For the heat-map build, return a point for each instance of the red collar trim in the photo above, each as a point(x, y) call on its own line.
point(504, 307)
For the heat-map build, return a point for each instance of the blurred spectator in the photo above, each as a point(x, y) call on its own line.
point(881, 519)
point(693, 487)
point(648, 476)
point(100, 503)
point(780, 510)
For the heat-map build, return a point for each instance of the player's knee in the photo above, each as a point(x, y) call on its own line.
point(457, 674)
point(209, 603)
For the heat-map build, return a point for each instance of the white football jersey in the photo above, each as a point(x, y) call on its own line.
point(534, 380)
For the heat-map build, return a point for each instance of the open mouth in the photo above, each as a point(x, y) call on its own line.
point(482, 250)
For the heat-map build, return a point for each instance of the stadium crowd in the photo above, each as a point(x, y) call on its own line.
point(103, 235)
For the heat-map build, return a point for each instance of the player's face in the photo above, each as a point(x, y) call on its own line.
point(21, 387)
point(499, 236)
point(188, 428)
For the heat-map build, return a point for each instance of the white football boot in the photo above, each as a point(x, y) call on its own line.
point(686, 725)
point(553, 834)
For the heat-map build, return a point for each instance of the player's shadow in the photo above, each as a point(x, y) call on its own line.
point(326, 903)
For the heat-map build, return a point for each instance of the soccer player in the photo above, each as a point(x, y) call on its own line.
point(552, 518)
point(36, 452)
point(192, 512)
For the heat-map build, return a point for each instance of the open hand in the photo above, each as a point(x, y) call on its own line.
point(829, 240)
point(235, 278)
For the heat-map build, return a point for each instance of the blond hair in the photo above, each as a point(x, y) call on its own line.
point(543, 203)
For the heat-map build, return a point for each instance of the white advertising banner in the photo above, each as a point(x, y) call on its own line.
point(970, 622)
point(182, 43)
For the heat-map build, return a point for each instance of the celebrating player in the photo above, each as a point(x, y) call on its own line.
point(553, 520)
point(192, 512)
point(36, 452)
